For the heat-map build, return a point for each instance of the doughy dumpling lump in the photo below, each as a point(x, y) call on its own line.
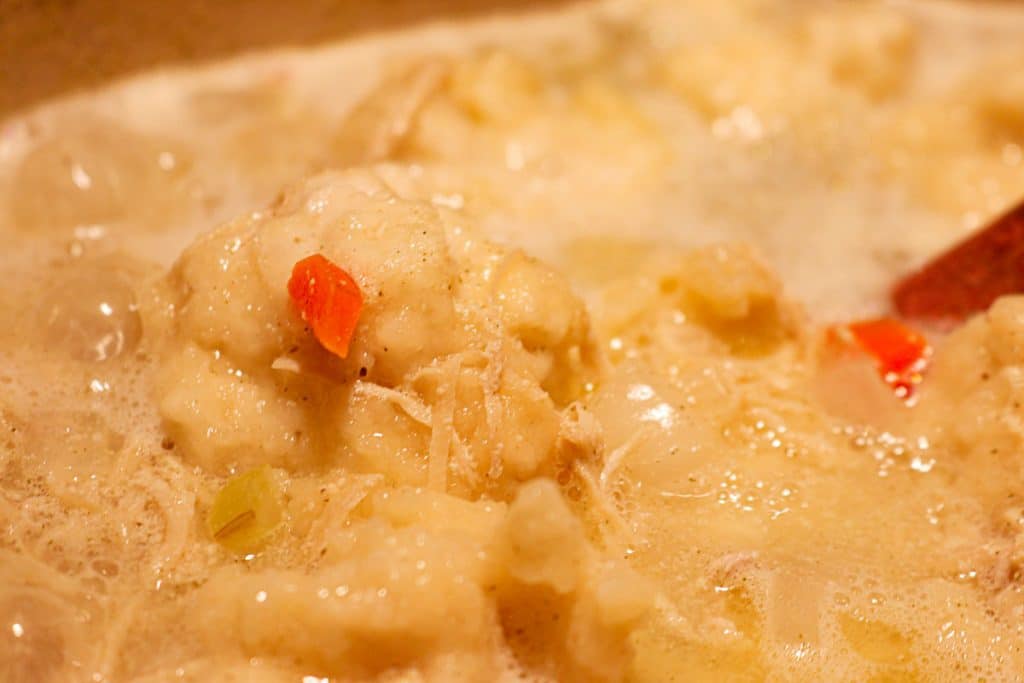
point(423, 586)
point(464, 361)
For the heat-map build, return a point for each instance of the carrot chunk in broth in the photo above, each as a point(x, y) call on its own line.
point(328, 299)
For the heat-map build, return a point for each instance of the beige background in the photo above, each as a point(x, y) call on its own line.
point(52, 46)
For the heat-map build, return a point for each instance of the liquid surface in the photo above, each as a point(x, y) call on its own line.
point(590, 425)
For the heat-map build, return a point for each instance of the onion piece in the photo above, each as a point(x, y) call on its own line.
point(246, 511)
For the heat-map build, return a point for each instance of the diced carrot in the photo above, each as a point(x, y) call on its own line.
point(896, 347)
point(328, 299)
point(900, 353)
point(969, 277)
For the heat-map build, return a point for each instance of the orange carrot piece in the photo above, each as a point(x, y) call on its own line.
point(900, 352)
point(328, 299)
point(896, 347)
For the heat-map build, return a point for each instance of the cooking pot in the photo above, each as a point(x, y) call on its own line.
point(48, 47)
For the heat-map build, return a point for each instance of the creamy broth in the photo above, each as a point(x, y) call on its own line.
point(589, 426)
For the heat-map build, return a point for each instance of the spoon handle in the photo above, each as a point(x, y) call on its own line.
point(969, 276)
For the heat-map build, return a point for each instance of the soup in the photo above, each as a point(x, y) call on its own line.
point(522, 348)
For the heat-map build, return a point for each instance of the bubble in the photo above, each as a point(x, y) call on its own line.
point(32, 642)
point(94, 172)
point(91, 315)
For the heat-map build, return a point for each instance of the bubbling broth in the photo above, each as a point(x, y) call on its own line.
point(559, 395)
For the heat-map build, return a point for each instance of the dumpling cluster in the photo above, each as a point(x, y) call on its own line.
point(465, 356)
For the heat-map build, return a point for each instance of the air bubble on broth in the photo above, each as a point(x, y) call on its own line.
point(89, 313)
point(32, 646)
point(41, 619)
point(90, 171)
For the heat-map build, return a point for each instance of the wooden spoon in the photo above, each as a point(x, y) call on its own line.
point(968, 277)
